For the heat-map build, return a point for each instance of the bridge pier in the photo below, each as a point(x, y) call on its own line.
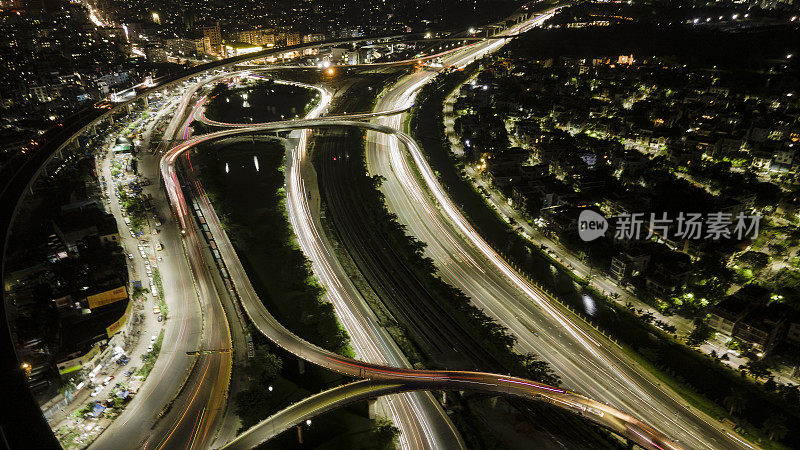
point(301, 364)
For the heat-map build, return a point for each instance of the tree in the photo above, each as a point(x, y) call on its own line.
point(538, 370)
point(758, 369)
point(734, 402)
point(253, 405)
point(265, 366)
point(775, 427)
point(384, 434)
point(700, 333)
point(790, 393)
point(756, 260)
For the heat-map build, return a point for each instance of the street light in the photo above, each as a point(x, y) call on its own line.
point(27, 368)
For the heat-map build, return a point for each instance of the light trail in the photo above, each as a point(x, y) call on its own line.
point(309, 237)
point(429, 215)
point(300, 215)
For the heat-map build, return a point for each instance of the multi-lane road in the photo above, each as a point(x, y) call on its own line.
point(310, 238)
point(422, 420)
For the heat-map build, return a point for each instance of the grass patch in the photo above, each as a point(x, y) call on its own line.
point(149, 359)
point(162, 303)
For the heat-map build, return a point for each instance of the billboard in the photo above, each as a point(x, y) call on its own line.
point(107, 297)
point(115, 327)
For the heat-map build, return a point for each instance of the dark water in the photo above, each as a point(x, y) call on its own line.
point(264, 102)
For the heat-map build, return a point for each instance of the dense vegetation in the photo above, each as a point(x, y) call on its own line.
point(254, 404)
point(261, 233)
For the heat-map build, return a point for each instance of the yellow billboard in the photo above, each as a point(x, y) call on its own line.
point(107, 297)
point(116, 326)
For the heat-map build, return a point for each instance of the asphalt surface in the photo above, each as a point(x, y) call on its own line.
point(446, 343)
point(620, 378)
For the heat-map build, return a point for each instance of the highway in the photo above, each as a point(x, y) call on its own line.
point(465, 261)
point(390, 279)
point(585, 360)
point(304, 222)
point(386, 272)
point(310, 407)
